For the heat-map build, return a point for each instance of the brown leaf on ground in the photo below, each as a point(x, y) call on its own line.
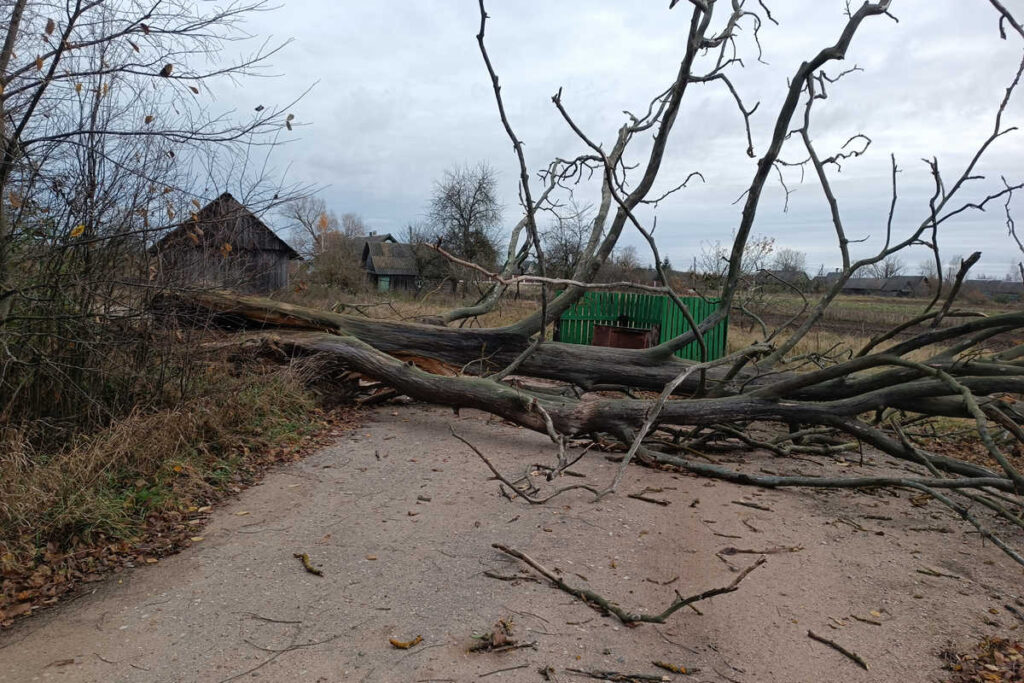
point(993, 660)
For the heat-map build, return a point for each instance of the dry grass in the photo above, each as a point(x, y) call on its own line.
point(848, 325)
point(407, 306)
point(108, 483)
point(870, 311)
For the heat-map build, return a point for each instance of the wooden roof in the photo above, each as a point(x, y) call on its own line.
point(225, 220)
point(389, 258)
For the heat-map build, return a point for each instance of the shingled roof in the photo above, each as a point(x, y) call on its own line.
point(389, 258)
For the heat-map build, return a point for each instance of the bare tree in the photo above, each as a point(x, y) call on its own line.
point(565, 239)
point(352, 225)
point(714, 259)
point(105, 135)
point(465, 214)
point(789, 261)
point(843, 398)
point(890, 266)
point(310, 223)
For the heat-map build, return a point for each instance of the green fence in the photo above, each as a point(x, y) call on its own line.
point(629, 309)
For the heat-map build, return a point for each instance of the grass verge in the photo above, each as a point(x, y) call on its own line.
point(139, 489)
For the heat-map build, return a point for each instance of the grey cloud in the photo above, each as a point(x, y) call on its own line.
point(402, 95)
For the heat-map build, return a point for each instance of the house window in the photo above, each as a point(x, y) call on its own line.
point(383, 283)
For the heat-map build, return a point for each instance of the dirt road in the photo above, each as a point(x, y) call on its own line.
point(401, 518)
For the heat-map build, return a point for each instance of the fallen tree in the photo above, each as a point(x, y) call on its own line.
point(826, 403)
point(836, 398)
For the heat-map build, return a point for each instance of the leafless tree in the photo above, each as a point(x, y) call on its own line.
point(789, 261)
point(714, 259)
point(566, 237)
point(465, 214)
point(891, 266)
point(352, 225)
point(106, 135)
point(843, 399)
point(310, 222)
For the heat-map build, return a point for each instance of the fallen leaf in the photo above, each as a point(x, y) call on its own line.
point(405, 645)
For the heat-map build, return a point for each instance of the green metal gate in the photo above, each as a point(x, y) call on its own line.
point(631, 309)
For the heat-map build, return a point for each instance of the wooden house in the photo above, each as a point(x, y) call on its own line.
point(1001, 291)
point(224, 245)
point(389, 264)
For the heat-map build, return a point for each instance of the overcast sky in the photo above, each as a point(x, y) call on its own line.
point(401, 94)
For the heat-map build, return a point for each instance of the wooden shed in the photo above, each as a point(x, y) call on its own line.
point(389, 263)
point(224, 245)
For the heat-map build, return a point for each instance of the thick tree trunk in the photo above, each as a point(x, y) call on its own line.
point(479, 351)
point(835, 397)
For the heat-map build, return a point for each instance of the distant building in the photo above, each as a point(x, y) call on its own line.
point(224, 245)
point(897, 286)
point(1003, 291)
point(388, 263)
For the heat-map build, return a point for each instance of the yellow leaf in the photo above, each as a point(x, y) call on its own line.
point(78, 87)
point(78, 230)
point(106, 89)
point(225, 250)
point(241, 513)
point(196, 538)
point(405, 644)
point(322, 222)
point(196, 203)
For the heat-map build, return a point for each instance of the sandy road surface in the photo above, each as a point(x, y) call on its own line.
point(401, 518)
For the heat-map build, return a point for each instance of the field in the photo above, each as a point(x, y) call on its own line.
point(849, 323)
